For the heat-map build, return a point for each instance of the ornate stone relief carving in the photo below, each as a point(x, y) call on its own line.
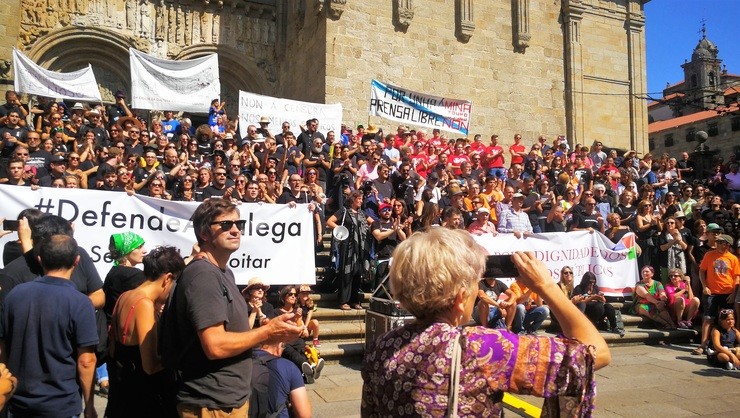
point(403, 12)
point(522, 36)
point(334, 8)
point(163, 27)
point(464, 24)
point(5, 67)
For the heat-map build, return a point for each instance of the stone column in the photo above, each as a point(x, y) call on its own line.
point(573, 15)
point(10, 11)
point(638, 81)
point(521, 25)
point(464, 25)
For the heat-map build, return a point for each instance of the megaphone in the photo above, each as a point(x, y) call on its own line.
point(340, 233)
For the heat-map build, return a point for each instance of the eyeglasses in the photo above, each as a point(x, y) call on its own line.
point(241, 181)
point(588, 194)
point(170, 147)
point(156, 184)
point(69, 158)
point(291, 294)
point(220, 173)
point(56, 118)
point(726, 312)
point(674, 275)
point(567, 272)
point(311, 173)
point(22, 154)
point(271, 172)
point(227, 225)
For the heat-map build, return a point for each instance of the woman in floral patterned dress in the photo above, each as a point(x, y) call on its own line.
point(434, 275)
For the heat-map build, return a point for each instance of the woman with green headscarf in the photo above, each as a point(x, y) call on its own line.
point(126, 251)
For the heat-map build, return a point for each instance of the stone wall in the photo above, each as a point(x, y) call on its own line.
point(533, 67)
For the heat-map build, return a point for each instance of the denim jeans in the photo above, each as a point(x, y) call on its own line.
point(494, 320)
point(529, 321)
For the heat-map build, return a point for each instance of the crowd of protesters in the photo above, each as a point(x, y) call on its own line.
point(384, 186)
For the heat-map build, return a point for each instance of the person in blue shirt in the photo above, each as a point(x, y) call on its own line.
point(285, 384)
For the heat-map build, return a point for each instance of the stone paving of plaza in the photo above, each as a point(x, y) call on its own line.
point(642, 381)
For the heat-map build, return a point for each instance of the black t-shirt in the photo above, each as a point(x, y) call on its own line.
point(582, 220)
point(120, 279)
point(208, 296)
point(385, 189)
point(492, 291)
point(384, 248)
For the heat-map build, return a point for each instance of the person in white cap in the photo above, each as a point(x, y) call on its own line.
point(514, 220)
point(482, 223)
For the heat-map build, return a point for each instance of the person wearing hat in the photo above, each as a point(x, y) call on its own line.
point(260, 310)
point(482, 224)
point(515, 220)
point(263, 129)
point(719, 273)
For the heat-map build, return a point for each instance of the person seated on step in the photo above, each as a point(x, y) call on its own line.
point(591, 301)
point(308, 307)
point(492, 306)
point(724, 338)
point(295, 350)
point(650, 299)
point(681, 300)
point(260, 310)
point(530, 311)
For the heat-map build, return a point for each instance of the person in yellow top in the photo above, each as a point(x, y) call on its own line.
point(719, 273)
point(530, 310)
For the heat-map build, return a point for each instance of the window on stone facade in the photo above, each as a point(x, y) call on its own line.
point(668, 140)
point(735, 123)
point(651, 143)
point(712, 129)
point(690, 134)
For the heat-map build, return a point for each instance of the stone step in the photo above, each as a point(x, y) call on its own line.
point(343, 334)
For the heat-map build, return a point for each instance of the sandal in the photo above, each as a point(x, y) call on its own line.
point(345, 307)
point(697, 351)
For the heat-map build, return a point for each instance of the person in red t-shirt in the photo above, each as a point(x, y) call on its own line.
point(437, 140)
point(517, 151)
point(494, 160)
point(458, 157)
point(477, 145)
point(419, 159)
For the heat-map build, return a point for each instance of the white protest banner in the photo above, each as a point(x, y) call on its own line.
point(277, 243)
point(615, 268)
point(186, 85)
point(413, 108)
point(253, 106)
point(32, 79)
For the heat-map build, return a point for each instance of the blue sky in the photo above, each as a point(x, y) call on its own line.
point(673, 28)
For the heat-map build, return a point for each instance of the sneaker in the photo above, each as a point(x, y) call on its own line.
point(729, 366)
point(307, 372)
point(619, 331)
point(317, 369)
point(709, 351)
point(316, 343)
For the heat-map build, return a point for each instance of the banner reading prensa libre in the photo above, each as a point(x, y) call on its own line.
point(186, 85)
point(254, 106)
point(615, 266)
point(413, 108)
point(32, 79)
point(277, 243)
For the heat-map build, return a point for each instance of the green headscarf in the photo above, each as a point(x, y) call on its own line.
point(123, 244)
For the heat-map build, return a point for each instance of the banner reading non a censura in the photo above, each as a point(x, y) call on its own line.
point(253, 106)
point(414, 108)
point(277, 242)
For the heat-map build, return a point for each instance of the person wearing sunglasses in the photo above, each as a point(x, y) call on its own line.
point(295, 350)
point(211, 311)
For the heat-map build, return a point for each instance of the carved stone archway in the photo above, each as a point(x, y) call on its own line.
point(237, 72)
point(72, 48)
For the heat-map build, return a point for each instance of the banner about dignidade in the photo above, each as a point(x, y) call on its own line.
point(414, 108)
point(32, 79)
point(253, 106)
point(277, 243)
point(615, 268)
point(184, 85)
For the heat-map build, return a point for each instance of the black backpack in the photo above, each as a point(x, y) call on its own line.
point(258, 402)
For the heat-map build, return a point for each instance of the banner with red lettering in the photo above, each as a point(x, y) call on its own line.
point(413, 108)
point(615, 265)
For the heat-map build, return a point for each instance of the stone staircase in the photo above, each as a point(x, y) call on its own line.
point(343, 332)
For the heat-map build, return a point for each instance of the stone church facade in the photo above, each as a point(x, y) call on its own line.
point(572, 67)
